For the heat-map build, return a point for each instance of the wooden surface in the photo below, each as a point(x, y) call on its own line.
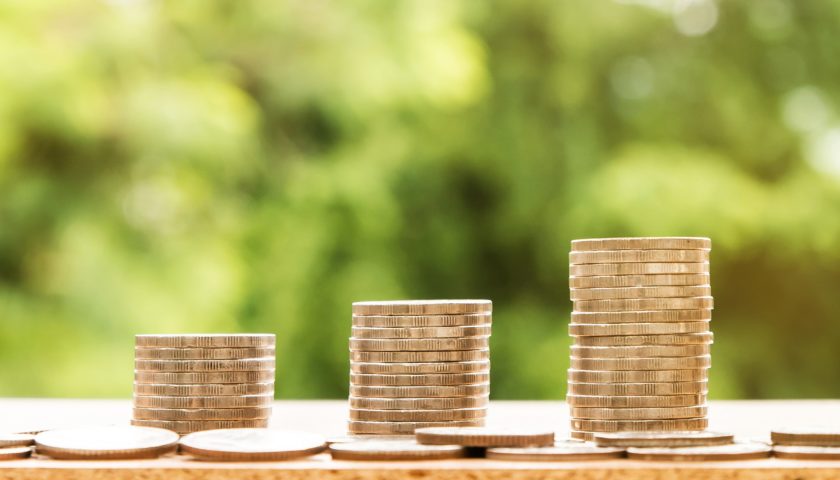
point(748, 419)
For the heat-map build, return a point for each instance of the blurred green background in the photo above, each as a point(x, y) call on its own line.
point(256, 166)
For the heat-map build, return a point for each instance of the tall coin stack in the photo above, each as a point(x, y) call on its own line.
point(419, 363)
point(640, 325)
point(188, 383)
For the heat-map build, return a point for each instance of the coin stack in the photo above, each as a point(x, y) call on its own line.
point(419, 363)
point(188, 383)
point(640, 325)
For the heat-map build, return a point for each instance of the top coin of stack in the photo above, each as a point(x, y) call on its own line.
point(640, 325)
point(419, 363)
point(188, 383)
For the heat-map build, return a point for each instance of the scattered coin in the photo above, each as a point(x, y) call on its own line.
point(422, 332)
point(639, 425)
point(664, 439)
point(16, 440)
point(603, 269)
point(252, 444)
point(638, 256)
point(817, 436)
point(642, 243)
point(203, 390)
point(15, 453)
point(619, 281)
point(441, 403)
point(797, 452)
point(419, 380)
point(230, 401)
point(207, 340)
point(420, 357)
point(560, 451)
point(256, 376)
point(735, 451)
point(638, 340)
point(244, 413)
point(180, 353)
point(419, 344)
point(632, 304)
point(485, 437)
point(187, 426)
point(245, 364)
point(394, 450)
point(614, 329)
point(420, 392)
point(422, 307)
point(640, 292)
point(618, 401)
point(637, 376)
point(654, 363)
point(392, 428)
point(106, 443)
point(650, 316)
point(417, 368)
point(657, 413)
point(421, 321)
point(641, 351)
point(417, 415)
point(649, 389)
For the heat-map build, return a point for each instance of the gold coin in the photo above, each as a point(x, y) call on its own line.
point(234, 340)
point(658, 316)
point(440, 403)
point(353, 438)
point(214, 390)
point(814, 436)
point(615, 329)
point(240, 365)
point(422, 307)
point(106, 443)
point(560, 451)
point(650, 413)
point(635, 401)
point(604, 269)
point(256, 376)
point(485, 436)
point(642, 243)
point(581, 436)
point(648, 389)
point(420, 392)
point(8, 440)
point(403, 428)
point(640, 340)
point(243, 413)
point(639, 425)
point(424, 379)
point(625, 304)
point(230, 401)
point(640, 351)
point(422, 332)
point(654, 363)
point(664, 439)
point(638, 376)
point(638, 256)
point(807, 453)
point(252, 444)
point(15, 453)
point(189, 426)
point(419, 344)
point(734, 451)
point(422, 321)
point(421, 357)
point(640, 292)
point(417, 415)
point(415, 368)
point(626, 281)
point(394, 450)
point(180, 353)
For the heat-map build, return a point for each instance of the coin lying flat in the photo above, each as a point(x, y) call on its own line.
point(815, 436)
point(640, 425)
point(352, 438)
point(420, 321)
point(16, 440)
point(581, 436)
point(421, 344)
point(604, 269)
point(203, 390)
point(256, 376)
point(637, 376)
point(222, 402)
point(485, 436)
point(233, 340)
point(15, 453)
point(654, 363)
point(422, 307)
point(640, 351)
point(417, 368)
point(642, 243)
point(635, 401)
point(179, 353)
point(655, 413)
point(421, 357)
point(101, 443)
point(649, 316)
point(629, 304)
point(183, 426)
point(441, 403)
point(620, 281)
point(396, 428)
point(247, 364)
point(613, 329)
point(634, 340)
point(649, 389)
point(417, 415)
point(243, 413)
point(560, 451)
point(663, 439)
point(420, 392)
point(735, 451)
point(424, 379)
point(638, 256)
point(806, 453)
point(640, 292)
point(394, 450)
point(423, 332)
point(252, 444)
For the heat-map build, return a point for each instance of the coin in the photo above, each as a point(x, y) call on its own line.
point(735, 451)
point(640, 351)
point(420, 344)
point(614, 329)
point(256, 376)
point(639, 256)
point(424, 379)
point(654, 363)
point(204, 390)
point(229, 401)
point(619, 281)
point(642, 243)
point(639, 425)
point(16, 440)
point(655, 413)
point(422, 307)
point(106, 443)
point(418, 403)
point(640, 292)
point(658, 316)
point(184, 426)
point(252, 444)
point(813, 436)
point(392, 428)
point(663, 439)
point(638, 340)
point(637, 376)
point(806, 453)
point(485, 437)
point(421, 332)
point(417, 392)
point(233, 340)
point(352, 438)
point(625, 304)
point(394, 450)
point(421, 357)
point(429, 367)
point(626, 389)
point(603, 269)
point(179, 353)
point(15, 453)
point(244, 413)
point(417, 415)
point(560, 451)
point(239, 365)
point(635, 401)
point(419, 321)
point(581, 436)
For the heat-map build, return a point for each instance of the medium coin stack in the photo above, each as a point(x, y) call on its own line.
point(640, 325)
point(419, 363)
point(188, 383)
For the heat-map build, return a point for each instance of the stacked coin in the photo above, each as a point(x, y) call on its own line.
point(188, 383)
point(640, 325)
point(419, 363)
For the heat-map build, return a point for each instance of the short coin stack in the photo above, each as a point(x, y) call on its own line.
point(419, 363)
point(640, 326)
point(188, 383)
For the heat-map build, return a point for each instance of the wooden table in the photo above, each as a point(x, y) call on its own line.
point(748, 419)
